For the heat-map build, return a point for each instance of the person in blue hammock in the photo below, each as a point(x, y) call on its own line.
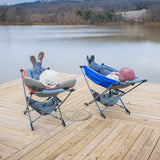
point(124, 74)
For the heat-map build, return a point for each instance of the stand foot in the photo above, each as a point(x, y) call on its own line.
point(24, 112)
point(86, 104)
point(31, 126)
point(103, 115)
point(127, 111)
point(64, 124)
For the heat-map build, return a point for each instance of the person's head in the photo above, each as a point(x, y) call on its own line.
point(49, 78)
point(126, 74)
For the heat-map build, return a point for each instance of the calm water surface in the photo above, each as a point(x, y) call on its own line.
point(66, 48)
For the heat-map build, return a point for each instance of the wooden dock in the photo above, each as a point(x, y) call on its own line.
point(119, 136)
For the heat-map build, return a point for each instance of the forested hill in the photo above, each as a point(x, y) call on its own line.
point(98, 5)
point(76, 11)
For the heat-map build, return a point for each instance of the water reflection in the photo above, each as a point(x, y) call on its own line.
point(66, 48)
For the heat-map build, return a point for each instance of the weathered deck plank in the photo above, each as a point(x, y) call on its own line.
point(119, 136)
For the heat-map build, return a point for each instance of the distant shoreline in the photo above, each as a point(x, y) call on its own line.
point(87, 12)
point(110, 23)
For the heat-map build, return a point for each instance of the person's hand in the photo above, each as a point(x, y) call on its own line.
point(115, 73)
point(46, 87)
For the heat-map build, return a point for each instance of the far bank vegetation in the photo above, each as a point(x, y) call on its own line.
point(73, 13)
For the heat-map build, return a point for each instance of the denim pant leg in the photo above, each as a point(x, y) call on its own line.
point(98, 68)
point(104, 71)
point(37, 70)
point(93, 65)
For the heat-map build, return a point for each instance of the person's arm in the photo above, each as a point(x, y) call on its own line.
point(115, 73)
point(49, 87)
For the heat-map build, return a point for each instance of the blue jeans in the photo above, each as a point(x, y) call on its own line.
point(37, 70)
point(98, 68)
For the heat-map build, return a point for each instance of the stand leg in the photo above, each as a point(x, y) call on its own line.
point(125, 107)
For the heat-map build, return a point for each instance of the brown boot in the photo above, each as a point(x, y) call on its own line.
point(33, 60)
point(40, 56)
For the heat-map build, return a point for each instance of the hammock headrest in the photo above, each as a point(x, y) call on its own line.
point(32, 84)
point(67, 84)
point(36, 85)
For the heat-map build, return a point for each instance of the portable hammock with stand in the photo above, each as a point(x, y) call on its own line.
point(51, 103)
point(113, 89)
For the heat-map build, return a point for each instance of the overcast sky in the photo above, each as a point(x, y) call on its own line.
point(9, 2)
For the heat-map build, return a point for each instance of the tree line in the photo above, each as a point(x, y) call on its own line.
point(86, 12)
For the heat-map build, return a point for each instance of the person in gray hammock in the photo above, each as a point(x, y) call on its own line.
point(48, 78)
point(45, 78)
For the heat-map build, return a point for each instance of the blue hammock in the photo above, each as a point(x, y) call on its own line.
point(99, 78)
point(112, 94)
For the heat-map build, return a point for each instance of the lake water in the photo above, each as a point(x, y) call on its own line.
point(66, 48)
